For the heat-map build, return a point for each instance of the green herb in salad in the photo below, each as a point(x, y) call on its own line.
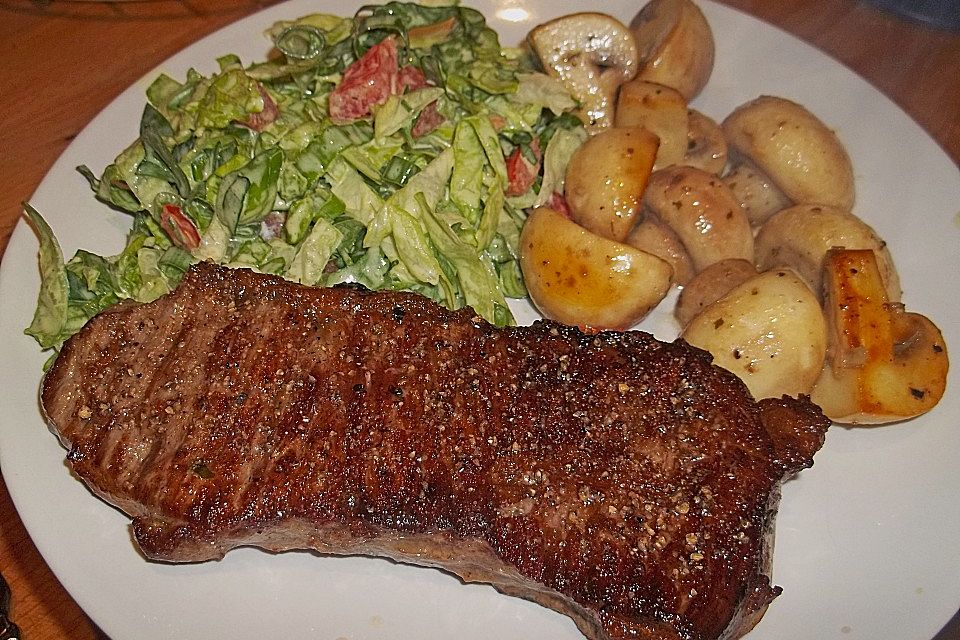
point(398, 149)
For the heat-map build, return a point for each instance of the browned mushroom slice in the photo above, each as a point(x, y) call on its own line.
point(592, 54)
point(884, 364)
point(579, 278)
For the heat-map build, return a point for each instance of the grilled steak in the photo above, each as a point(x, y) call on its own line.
point(626, 482)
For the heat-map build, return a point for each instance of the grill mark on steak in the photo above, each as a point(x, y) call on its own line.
point(623, 481)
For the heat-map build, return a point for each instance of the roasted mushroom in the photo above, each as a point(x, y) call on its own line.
point(769, 330)
point(791, 149)
point(654, 237)
point(676, 45)
point(700, 209)
point(592, 54)
point(884, 364)
point(606, 178)
point(710, 285)
point(799, 237)
point(659, 109)
point(579, 278)
point(706, 145)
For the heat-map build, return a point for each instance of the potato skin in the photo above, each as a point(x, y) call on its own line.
point(579, 278)
point(770, 331)
point(606, 178)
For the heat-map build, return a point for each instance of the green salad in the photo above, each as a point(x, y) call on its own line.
point(398, 149)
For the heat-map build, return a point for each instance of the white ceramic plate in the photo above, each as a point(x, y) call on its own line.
point(867, 540)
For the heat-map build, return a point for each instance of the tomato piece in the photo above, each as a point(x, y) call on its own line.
point(520, 173)
point(559, 204)
point(179, 227)
point(368, 81)
point(411, 79)
point(429, 119)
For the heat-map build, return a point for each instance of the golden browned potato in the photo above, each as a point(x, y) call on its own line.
point(885, 364)
point(702, 211)
point(799, 237)
point(676, 45)
point(659, 109)
point(769, 331)
point(592, 54)
point(606, 178)
point(710, 285)
point(579, 278)
point(794, 149)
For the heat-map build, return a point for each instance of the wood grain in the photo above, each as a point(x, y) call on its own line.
point(63, 63)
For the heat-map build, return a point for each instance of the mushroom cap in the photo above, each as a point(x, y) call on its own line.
point(579, 278)
point(706, 145)
point(710, 285)
point(654, 237)
point(759, 196)
point(800, 237)
point(702, 211)
point(676, 45)
point(659, 109)
point(769, 330)
point(593, 54)
point(797, 151)
point(606, 178)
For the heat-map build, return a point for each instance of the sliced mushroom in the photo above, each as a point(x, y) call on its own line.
point(606, 178)
point(706, 146)
point(592, 54)
point(710, 285)
point(794, 149)
point(659, 109)
point(702, 211)
point(676, 45)
point(799, 237)
point(769, 331)
point(579, 278)
point(884, 364)
point(653, 237)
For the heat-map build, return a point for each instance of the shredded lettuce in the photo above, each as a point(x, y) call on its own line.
point(248, 167)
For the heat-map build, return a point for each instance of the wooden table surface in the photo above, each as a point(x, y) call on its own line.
point(65, 61)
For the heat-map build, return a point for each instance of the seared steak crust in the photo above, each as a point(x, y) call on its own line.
point(624, 481)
